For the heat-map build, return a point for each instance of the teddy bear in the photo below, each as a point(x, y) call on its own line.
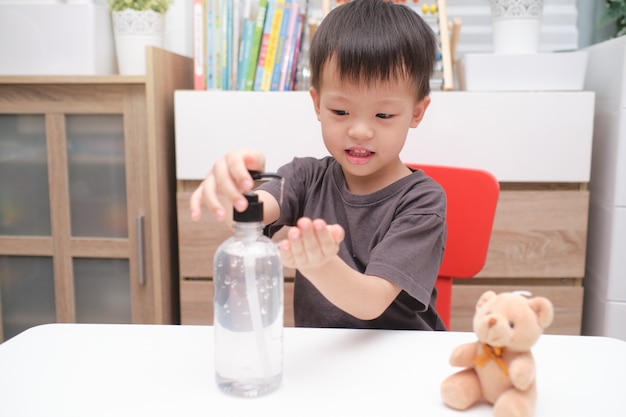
point(499, 366)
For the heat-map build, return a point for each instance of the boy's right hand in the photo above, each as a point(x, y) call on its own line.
point(227, 181)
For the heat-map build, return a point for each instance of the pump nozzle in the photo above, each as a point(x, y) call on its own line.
point(257, 176)
point(253, 201)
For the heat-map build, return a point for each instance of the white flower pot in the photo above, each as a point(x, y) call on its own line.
point(134, 30)
point(516, 26)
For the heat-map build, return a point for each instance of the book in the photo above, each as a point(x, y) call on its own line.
point(247, 28)
point(244, 53)
point(286, 25)
point(235, 35)
point(272, 44)
point(289, 48)
point(217, 43)
point(199, 81)
point(265, 37)
point(292, 69)
point(227, 29)
point(210, 44)
point(255, 44)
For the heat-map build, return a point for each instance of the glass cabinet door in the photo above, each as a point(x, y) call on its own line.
point(97, 175)
point(98, 209)
point(24, 191)
point(102, 290)
point(27, 293)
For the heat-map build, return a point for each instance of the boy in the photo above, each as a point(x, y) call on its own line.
point(368, 233)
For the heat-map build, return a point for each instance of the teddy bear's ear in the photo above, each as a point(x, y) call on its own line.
point(543, 309)
point(487, 295)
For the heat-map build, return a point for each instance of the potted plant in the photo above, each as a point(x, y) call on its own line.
point(616, 13)
point(136, 25)
point(158, 6)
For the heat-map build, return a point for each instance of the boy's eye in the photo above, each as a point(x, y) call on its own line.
point(384, 115)
point(340, 112)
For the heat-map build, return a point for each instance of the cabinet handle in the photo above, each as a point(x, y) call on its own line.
point(140, 257)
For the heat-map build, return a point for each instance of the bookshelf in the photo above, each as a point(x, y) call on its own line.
point(262, 45)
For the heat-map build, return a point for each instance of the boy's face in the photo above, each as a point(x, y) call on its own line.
point(365, 127)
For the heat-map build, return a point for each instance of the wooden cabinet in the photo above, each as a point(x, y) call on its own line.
point(87, 197)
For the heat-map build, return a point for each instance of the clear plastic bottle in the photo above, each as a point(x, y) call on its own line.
point(248, 302)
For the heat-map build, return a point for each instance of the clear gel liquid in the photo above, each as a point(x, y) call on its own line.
point(248, 314)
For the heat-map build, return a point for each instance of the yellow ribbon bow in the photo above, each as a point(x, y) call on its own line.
point(490, 353)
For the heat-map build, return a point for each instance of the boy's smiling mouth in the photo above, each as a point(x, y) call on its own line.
point(358, 155)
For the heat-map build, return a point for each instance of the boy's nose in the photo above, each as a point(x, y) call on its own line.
point(361, 131)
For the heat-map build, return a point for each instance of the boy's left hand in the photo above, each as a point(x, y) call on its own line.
point(311, 244)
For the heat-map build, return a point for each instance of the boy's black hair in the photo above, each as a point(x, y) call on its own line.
point(374, 40)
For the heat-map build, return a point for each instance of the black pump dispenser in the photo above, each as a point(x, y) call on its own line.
point(254, 212)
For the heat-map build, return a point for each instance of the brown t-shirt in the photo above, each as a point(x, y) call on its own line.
point(397, 233)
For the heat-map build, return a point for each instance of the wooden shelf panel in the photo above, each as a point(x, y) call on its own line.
point(567, 301)
point(536, 234)
point(540, 234)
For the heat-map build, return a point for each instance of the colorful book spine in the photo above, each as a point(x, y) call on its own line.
point(227, 29)
point(217, 42)
point(270, 57)
point(289, 48)
point(259, 23)
point(199, 80)
point(281, 46)
point(265, 37)
point(235, 35)
point(244, 53)
point(210, 44)
point(293, 62)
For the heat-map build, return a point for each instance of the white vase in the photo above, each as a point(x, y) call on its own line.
point(133, 31)
point(516, 26)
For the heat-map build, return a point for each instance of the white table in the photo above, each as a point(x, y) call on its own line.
point(152, 370)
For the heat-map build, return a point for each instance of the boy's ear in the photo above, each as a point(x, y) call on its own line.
point(419, 110)
point(316, 101)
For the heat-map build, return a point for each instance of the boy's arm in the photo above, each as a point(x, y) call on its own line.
point(312, 247)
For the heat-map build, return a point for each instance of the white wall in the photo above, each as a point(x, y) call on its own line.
point(177, 24)
point(178, 28)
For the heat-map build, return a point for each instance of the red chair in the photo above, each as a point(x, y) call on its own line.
point(472, 196)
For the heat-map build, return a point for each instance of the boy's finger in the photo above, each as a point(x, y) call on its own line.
point(315, 237)
point(227, 186)
point(328, 244)
point(211, 199)
point(195, 204)
point(337, 232)
point(240, 163)
point(296, 246)
point(285, 254)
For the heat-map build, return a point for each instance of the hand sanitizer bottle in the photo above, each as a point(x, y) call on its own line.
point(248, 302)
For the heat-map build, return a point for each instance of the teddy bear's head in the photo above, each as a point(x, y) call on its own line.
point(511, 320)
